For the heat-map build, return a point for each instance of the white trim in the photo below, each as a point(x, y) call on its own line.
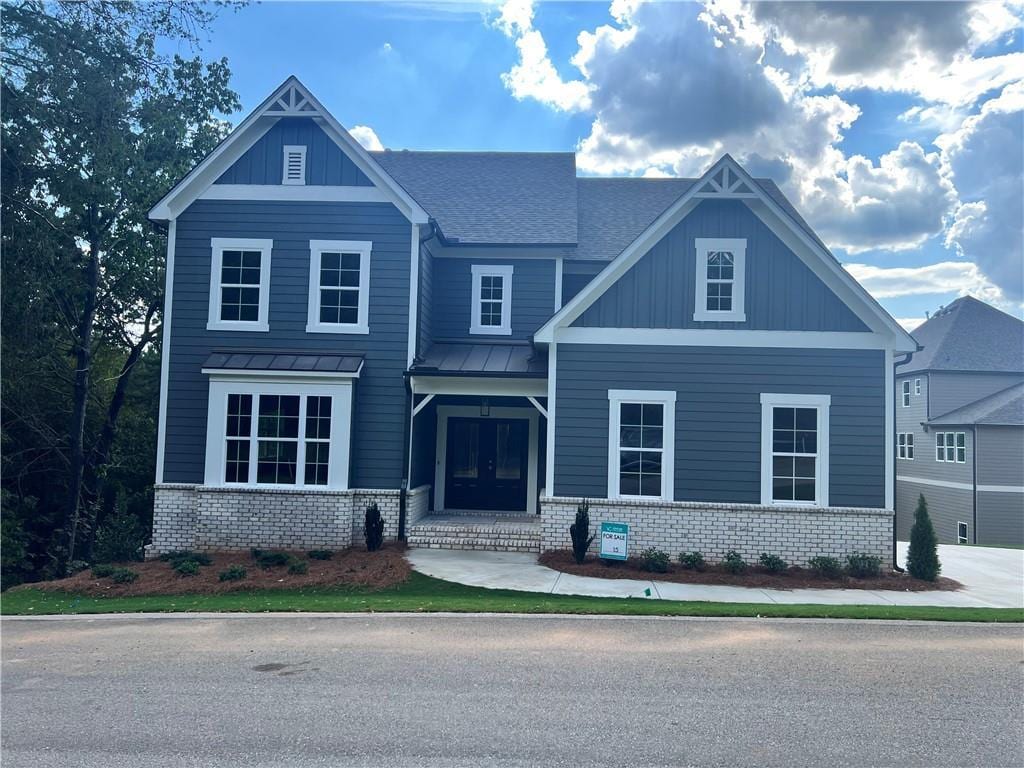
point(664, 398)
point(220, 244)
point(917, 387)
point(906, 447)
point(504, 271)
point(340, 393)
point(421, 405)
point(738, 248)
point(294, 149)
point(306, 193)
point(479, 385)
point(967, 532)
point(955, 446)
point(538, 406)
point(890, 429)
point(1001, 488)
point(237, 374)
point(961, 486)
point(558, 283)
point(549, 453)
point(822, 404)
point(316, 250)
point(714, 337)
point(414, 293)
point(165, 349)
point(905, 393)
point(444, 412)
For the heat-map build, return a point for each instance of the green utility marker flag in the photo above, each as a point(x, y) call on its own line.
point(647, 592)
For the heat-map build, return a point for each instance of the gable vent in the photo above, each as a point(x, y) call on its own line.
point(294, 165)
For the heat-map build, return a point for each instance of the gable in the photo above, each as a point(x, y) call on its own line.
point(782, 293)
point(326, 163)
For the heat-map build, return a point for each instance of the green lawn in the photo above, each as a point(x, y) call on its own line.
point(425, 594)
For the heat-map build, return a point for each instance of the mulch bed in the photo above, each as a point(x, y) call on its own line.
point(755, 576)
point(347, 568)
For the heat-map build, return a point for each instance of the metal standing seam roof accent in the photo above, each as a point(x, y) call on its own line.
point(1005, 407)
point(281, 361)
point(462, 359)
point(969, 335)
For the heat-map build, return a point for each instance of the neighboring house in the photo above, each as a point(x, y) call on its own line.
point(450, 332)
point(960, 426)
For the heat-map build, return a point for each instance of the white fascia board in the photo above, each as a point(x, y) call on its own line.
point(308, 192)
point(479, 385)
point(708, 337)
point(255, 376)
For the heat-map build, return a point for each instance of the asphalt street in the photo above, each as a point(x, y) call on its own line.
point(508, 691)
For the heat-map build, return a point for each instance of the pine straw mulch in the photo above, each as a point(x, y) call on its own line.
point(755, 576)
point(347, 568)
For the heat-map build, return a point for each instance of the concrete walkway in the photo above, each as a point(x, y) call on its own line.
point(992, 578)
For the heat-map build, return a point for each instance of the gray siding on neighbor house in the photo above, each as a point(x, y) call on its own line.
point(946, 507)
point(954, 389)
point(718, 415)
point(533, 296)
point(1000, 519)
point(326, 164)
point(379, 406)
point(1001, 462)
point(781, 292)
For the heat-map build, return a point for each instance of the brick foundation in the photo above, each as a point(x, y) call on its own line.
point(794, 533)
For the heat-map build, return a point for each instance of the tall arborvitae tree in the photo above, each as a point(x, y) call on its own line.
point(923, 555)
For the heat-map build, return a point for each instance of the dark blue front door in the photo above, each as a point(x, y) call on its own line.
point(486, 464)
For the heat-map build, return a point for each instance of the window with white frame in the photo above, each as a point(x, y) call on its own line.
point(492, 300)
point(906, 393)
point(721, 279)
point(294, 171)
point(278, 434)
point(917, 386)
point(339, 286)
point(239, 284)
point(641, 443)
point(961, 532)
point(905, 445)
point(794, 449)
point(951, 447)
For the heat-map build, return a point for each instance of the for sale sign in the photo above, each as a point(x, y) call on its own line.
point(614, 541)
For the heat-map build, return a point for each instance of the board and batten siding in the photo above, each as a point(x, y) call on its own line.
point(533, 297)
point(782, 293)
point(718, 415)
point(379, 405)
point(326, 164)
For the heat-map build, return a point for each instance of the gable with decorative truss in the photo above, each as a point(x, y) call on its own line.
point(724, 183)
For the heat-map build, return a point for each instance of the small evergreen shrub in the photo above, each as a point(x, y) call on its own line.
point(119, 537)
point(773, 563)
point(178, 556)
point(579, 532)
point(923, 555)
point(298, 567)
point(861, 565)
point(187, 568)
point(320, 554)
point(102, 571)
point(373, 528)
point(123, 575)
point(828, 567)
point(734, 562)
point(232, 573)
point(692, 561)
point(255, 553)
point(655, 560)
point(272, 559)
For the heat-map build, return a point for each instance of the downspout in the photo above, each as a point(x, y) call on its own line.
point(892, 438)
point(974, 483)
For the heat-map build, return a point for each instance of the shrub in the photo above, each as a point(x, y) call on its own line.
point(373, 528)
point(826, 566)
point(655, 560)
point(123, 575)
point(579, 532)
point(692, 561)
point(178, 556)
point(187, 567)
point(232, 573)
point(861, 565)
point(272, 559)
point(773, 563)
point(102, 571)
point(298, 567)
point(320, 554)
point(923, 555)
point(120, 536)
point(734, 562)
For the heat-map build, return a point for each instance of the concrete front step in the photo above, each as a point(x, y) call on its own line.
point(496, 536)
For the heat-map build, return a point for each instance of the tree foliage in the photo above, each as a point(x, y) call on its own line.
point(97, 125)
point(923, 554)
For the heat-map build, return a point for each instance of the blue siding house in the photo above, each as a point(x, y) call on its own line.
point(476, 342)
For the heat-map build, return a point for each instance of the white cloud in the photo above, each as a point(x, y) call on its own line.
point(910, 323)
point(960, 277)
point(366, 136)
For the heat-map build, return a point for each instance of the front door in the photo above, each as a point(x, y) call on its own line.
point(485, 465)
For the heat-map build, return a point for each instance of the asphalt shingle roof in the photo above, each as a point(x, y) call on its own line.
point(969, 335)
point(483, 359)
point(1002, 408)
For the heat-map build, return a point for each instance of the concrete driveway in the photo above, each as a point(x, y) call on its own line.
point(989, 574)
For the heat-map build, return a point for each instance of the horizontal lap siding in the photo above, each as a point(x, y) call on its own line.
point(954, 389)
point(946, 507)
point(1001, 462)
point(380, 393)
point(718, 415)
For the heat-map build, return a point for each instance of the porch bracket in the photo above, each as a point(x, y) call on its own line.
point(423, 404)
point(538, 406)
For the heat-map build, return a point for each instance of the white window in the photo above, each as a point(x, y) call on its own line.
point(905, 444)
point(278, 434)
point(294, 171)
point(641, 443)
point(794, 449)
point(239, 284)
point(961, 533)
point(951, 447)
point(339, 286)
point(492, 300)
point(917, 386)
point(721, 278)
point(906, 393)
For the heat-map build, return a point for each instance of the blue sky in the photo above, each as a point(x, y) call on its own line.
point(895, 129)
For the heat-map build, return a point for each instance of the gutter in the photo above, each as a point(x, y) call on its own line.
point(892, 438)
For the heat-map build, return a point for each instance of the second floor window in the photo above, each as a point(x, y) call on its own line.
point(720, 279)
point(339, 286)
point(905, 444)
point(492, 300)
point(951, 447)
point(239, 284)
point(906, 393)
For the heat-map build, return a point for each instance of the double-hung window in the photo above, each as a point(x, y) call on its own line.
point(339, 286)
point(951, 447)
point(906, 393)
point(641, 442)
point(917, 387)
point(794, 449)
point(905, 445)
point(491, 300)
point(720, 279)
point(239, 284)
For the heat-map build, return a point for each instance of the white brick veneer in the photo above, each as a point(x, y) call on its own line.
point(794, 533)
point(200, 517)
point(417, 505)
